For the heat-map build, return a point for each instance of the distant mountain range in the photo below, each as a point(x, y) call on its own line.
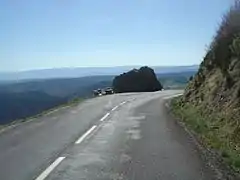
point(85, 71)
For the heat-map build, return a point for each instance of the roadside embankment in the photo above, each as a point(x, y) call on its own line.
point(213, 131)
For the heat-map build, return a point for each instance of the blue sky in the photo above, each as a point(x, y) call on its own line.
point(81, 33)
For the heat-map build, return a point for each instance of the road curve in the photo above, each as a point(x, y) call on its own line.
point(115, 137)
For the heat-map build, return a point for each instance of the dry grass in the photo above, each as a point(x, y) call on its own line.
point(216, 130)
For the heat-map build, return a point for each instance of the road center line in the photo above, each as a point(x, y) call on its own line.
point(113, 109)
point(50, 168)
point(123, 103)
point(85, 135)
point(104, 117)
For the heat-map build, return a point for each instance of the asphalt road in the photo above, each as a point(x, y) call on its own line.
point(115, 137)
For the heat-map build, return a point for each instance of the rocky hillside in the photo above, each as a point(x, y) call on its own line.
point(142, 80)
point(211, 102)
point(217, 83)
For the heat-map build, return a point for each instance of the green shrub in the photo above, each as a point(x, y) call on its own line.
point(236, 162)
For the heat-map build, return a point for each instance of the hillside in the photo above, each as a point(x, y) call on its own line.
point(24, 99)
point(24, 104)
point(65, 87)
point(217, 83)
point(211, 102)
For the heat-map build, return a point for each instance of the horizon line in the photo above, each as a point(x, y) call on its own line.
point(96, 67)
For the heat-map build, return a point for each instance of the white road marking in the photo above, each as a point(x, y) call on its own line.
point(113, 109)
point(104, 117)
point(85, 135)
point(169, 97)
point(123, 103)
point(74, 112)
point(137, 118)
point(167, 105)
point(50, 168)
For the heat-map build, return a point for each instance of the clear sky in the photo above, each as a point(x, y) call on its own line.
point(38, 34)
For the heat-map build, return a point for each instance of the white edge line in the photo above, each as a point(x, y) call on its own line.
point(169, 97)
point(85, 135)
point(113, 109)
point(50, 168)
point(104, 117)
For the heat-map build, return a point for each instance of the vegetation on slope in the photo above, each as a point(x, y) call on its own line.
point(211, 102)
point(213, 130)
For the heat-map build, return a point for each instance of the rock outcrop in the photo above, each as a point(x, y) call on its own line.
point(142, 80)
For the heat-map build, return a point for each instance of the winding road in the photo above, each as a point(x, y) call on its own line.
point(116, 137)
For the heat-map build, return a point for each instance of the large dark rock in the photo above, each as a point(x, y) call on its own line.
point(142, 80)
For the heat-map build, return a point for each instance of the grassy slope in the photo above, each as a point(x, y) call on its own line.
point(214, 130)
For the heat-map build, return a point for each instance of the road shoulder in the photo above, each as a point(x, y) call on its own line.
point(210, 156)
